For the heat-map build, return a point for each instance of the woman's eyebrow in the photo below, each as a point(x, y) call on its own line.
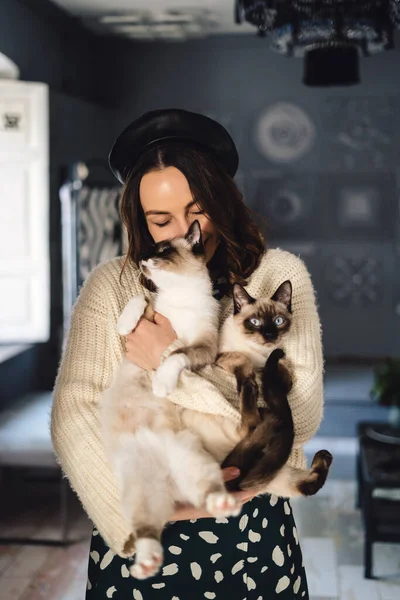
point(165, 212)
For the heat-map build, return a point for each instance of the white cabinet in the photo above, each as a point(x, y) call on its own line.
point(24, 212)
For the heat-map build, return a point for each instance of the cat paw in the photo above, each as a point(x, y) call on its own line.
point(323, 458)
point(164, 384)
point(220, 504)
point(148, 558)
point(131, 315)
point(166, 377)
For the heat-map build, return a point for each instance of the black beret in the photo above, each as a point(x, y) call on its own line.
point(162, 126)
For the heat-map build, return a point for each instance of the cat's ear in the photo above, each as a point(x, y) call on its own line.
point(193, 236)
point(241, 298)
point(284, 294)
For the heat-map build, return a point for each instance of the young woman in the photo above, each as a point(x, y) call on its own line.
point(176, 167)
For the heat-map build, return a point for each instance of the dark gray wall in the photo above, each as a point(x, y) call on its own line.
point(98, 85)
point(352, 257)
point(52, 48)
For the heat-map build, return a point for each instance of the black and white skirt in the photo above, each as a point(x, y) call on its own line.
point(255, 556)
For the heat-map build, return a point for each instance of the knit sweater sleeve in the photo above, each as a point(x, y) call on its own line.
point(304, 351)
point(84, 372)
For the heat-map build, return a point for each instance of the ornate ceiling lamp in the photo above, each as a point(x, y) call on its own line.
point(330, 35)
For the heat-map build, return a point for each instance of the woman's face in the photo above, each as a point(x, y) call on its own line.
point(169, 208)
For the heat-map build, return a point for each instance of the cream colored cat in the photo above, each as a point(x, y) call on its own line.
point(158, 461)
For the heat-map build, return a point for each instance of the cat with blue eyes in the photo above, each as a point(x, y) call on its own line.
point(249, 344)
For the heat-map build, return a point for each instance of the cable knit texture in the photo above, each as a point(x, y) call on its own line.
point(94, 350)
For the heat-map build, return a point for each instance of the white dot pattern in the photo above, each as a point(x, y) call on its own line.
point(282, 584)
point(277, 556)
point(254, 536)
point(218, 576)
point(196, 570)
point(242, 546)
point(170, 569)
point(125, 572)
point(258, 546)
point(215, 557)
point(209, 537)
point(238, 566)
point(107, 558)
point(243, 522)
point(296, 539)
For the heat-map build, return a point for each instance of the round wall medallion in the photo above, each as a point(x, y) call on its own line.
point(284, 132)
point(285, 207)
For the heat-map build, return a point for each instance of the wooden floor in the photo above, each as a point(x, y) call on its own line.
point(30, 509)
point(329, 526)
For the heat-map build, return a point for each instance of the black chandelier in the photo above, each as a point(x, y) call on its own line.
point(330, 35)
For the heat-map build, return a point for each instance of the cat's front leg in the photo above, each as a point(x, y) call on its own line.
point(131, 314)
point(166, 377)
point(194, 357)
point(240, 365)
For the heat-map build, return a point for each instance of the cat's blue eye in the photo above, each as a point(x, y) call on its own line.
point(279, 321)
point(255, 322)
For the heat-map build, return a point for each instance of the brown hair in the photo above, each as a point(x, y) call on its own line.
point(241, 242)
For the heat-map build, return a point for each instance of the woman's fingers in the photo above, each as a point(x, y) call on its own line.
point(230, 473)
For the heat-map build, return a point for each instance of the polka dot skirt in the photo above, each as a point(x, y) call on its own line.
point(254, 556)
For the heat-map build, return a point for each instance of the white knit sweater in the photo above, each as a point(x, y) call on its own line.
point(94, 350)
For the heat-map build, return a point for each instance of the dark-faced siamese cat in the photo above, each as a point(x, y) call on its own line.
point(249, 340)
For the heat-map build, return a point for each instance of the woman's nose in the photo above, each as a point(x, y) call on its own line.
point(181, 227)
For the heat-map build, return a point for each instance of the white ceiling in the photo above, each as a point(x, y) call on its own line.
point(155, 19)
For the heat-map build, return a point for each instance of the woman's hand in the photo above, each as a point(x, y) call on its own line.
point(146, 344)
point(186, 512)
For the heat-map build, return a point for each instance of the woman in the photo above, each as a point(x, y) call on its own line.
point(176, 167)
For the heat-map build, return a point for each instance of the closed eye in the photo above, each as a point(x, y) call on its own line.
point(162, 224)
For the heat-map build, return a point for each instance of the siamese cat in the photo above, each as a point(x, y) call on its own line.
point(248, 343)
point(158, 461)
